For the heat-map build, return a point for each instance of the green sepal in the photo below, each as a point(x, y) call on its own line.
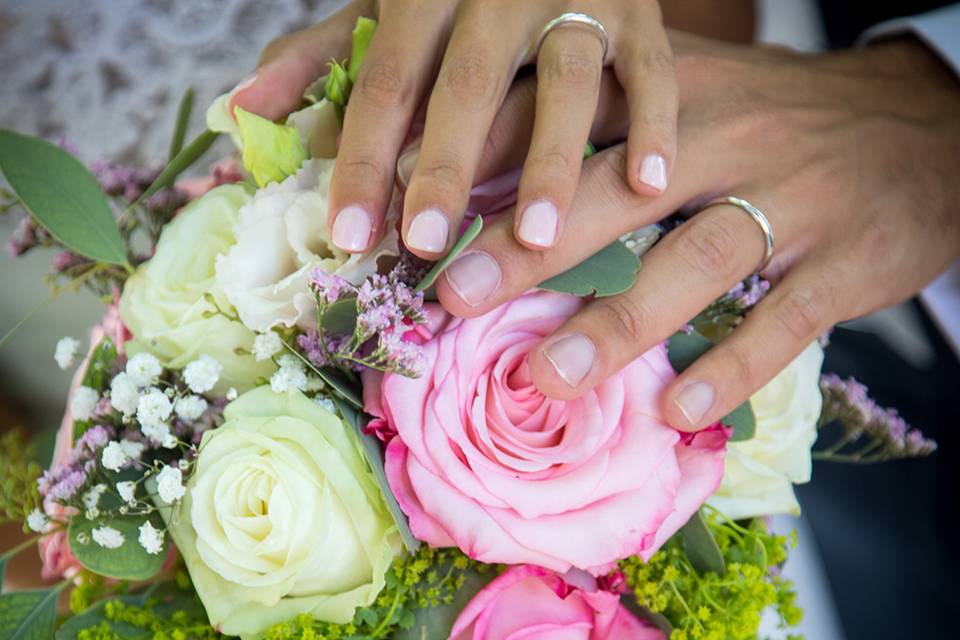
point(271, 151)
point(362, 36)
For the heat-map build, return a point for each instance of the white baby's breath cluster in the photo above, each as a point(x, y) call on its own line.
point(290, 376)
point(66, 352)
point(266, 345)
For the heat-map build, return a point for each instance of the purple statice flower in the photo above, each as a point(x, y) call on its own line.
point(65, 260)
point(25, 236)
point(377, 318)
point(394, 353)
point(327, 286)
point(889, 435)
point(316, 351)
point(747, 293)
point(67, 146)
point(68, 485)
point(411, 269)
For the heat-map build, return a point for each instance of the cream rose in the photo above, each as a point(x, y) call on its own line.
point(282, 517)
point(759, 474)
point(282, 237)
point(163, 303)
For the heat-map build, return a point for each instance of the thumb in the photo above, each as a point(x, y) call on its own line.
point(290, 63)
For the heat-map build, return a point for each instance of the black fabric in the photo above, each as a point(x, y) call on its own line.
point(845, 20)
point(886, 531)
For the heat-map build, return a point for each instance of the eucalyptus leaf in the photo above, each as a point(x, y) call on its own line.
point(435, 623)
point(660, 621)
point(374, 455)
point(29, 615)
point(62, 195)
point(682, 350)
point(340, 317)
point(702, 550)
point(183, 160)
point(130, 561)
point(610, 271)
point(468, 236)
point(180, 126)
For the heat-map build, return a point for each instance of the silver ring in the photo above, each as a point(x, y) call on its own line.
point(574, 18)
point(757, 217)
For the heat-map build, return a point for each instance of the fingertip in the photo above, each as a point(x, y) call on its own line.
point(427, 234)
point(688, 404)
point(649, 173)
point(537, 226)
point(352, 229)
point(562, 366)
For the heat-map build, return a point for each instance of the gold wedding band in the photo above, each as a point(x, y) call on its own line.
point(574, 19)
point(757, 217)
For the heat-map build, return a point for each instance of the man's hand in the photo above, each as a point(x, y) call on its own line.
point(855, 159)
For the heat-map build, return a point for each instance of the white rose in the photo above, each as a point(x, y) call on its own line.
point(164, 303)
point(281, 237)
point(759, 474)
point(282, 517)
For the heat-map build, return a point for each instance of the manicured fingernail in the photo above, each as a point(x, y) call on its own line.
point(538, 223)
point(573, 357)
point(351, 229)
point(474, 277)
point(695, 399)
point(406, 162)
point(428, 231)
point(653, 171)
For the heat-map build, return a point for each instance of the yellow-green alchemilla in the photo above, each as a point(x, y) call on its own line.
point(759, 473)
point(165, 303)
point(282, 517)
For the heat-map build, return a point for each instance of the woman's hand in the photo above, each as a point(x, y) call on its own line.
point(463, 57)
point(854, 159)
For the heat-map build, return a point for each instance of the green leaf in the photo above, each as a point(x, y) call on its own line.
point(3, 569)
point(180, 127)
point(96, 376)
point(62, 195)
point(610, 271)
point(435, 623)
point(374, 455)
point(187, 156)
point(129, 561)
point(589, 150)
point(340, 317)
point(660, 621)
point(362, 35)
point(682, 350)
point(468, 236)
point(271, 151)
point(29, 615)
point(701, 548)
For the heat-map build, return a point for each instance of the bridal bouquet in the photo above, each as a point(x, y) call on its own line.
point(270, 438)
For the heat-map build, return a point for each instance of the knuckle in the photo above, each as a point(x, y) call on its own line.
point(627, 317)
point(361, 170)
point(708, 247)
point(654, 62)
point(802, 311)
point(469, 78)
point(571, 69)
point(382, 83)
point(446, 171)
point(552, 163)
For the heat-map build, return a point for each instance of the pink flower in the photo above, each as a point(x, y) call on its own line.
point(533, 603)
point(484, 462)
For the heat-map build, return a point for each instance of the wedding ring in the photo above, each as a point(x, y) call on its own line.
point(574, 19)
point(757, 217)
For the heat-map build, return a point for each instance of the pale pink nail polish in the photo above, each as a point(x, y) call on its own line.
point(538, 223)
point(428, 231)
point(572, 356)
point(695, 399)
point(243, 84)
point(653, 171)
point(351, 229)
point(474, 277)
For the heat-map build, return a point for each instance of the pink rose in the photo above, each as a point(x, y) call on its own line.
point(484, 462)
point(535, 604)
